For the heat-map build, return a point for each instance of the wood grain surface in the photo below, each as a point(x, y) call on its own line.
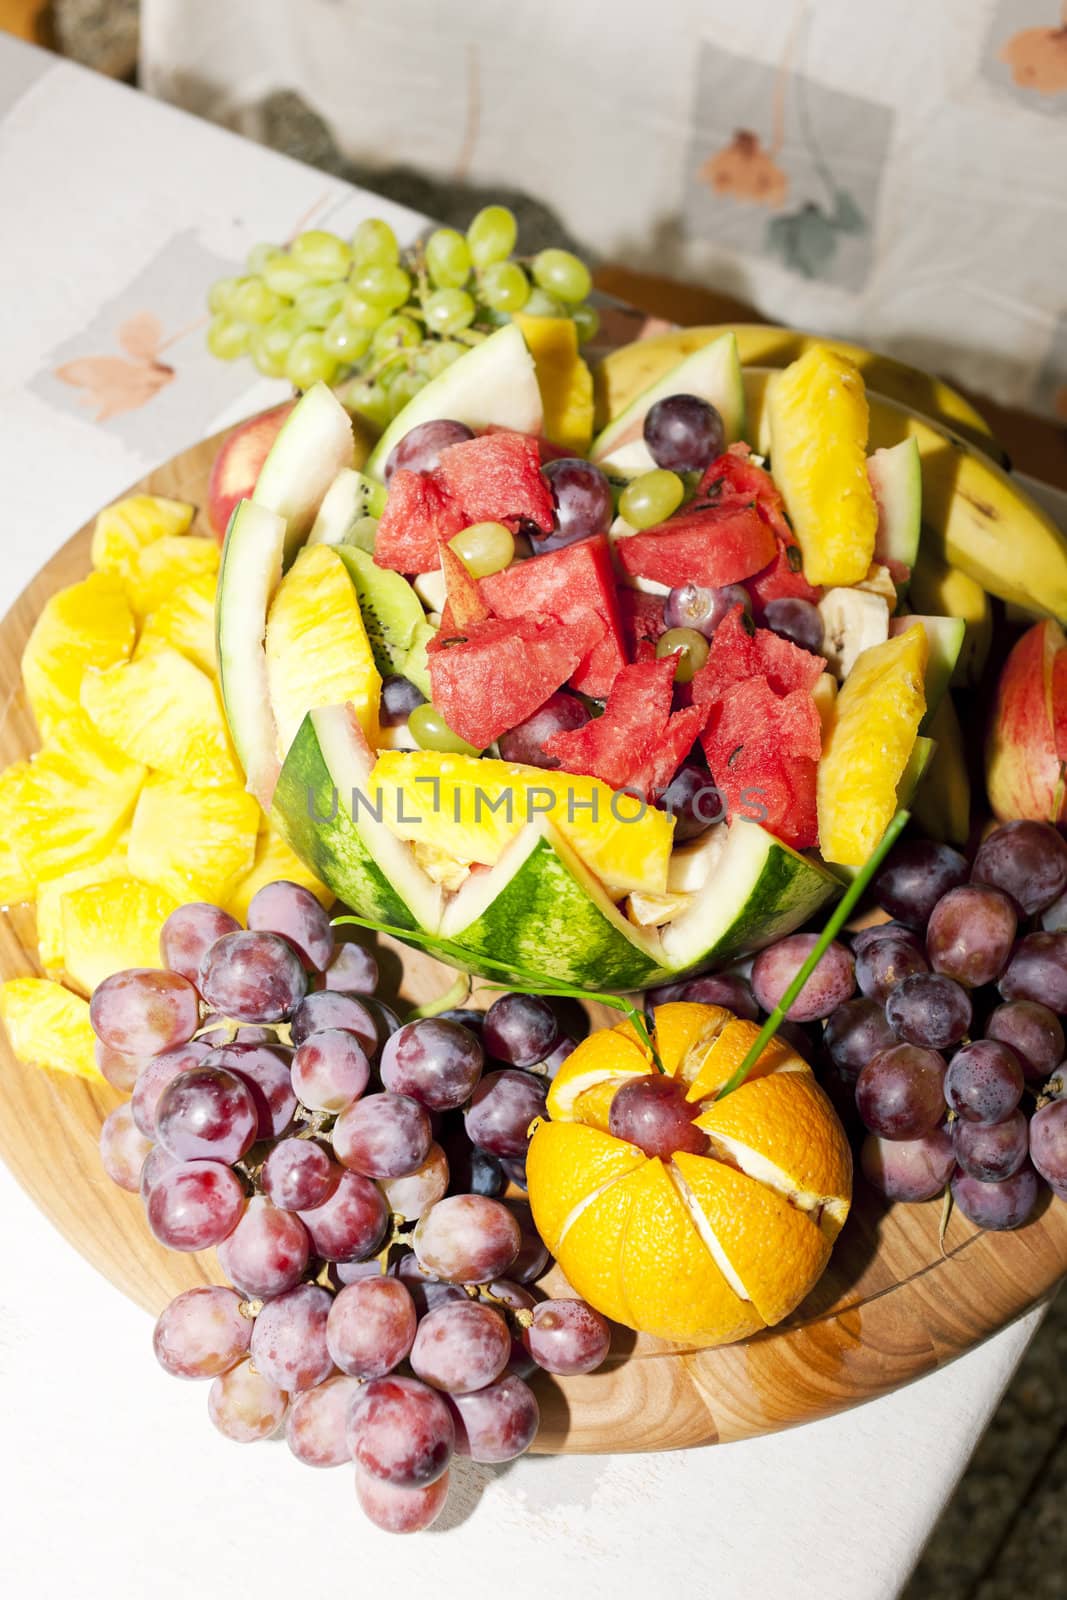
point(893, 1305)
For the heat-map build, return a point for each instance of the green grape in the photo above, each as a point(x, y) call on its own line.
point(258, 257)
point(651, 498)
point(448, 260)
point(586, 320)
point(491, 235)
point(562, 274)
point(220, 295)
point(689, 646)
point(370, 400)
point(322, 256)
point(380, 285)
point(449, 310)
point(253, 302)
point(484, 548)
point(375, 241)
point(226, 338)
point(430, 731)
point(395, 333)
point(345, 342)
point(504, 286)
point(319, 303)
point(268, 358)
point(277, 335)
point(363, 533)
point(437, 354)
point(543, 304)
point(280, 273)
point(404, 387)
point(309, 361)
point(360, 312)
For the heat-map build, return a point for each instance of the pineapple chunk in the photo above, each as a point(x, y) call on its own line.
point(871, 733)
point(50, 904)
point(186, 622)
point(16, 881)
point(49, 1027)
point(162, 567)
point(110, 927)
point(318, 653)
point(195, 843)
point(124, 529)
point(86, 625)
point(274, 861)
point(818, 417)
point(565, 382)
point(75, 798)
point(165, 712)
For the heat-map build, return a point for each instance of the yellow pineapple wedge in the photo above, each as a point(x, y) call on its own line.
point(50, 903)
point(49, 1027)
point(110, 927)
point(186, 622)
point(74, 799)
point(161, 567)
point(197, 844)
point(274, 861)
point(318, 653)
point(818, 418)
point(16, 881)
point(870, 734)
point(89, 624)
point(564, 379)
point(165, 712)
point(126, 528)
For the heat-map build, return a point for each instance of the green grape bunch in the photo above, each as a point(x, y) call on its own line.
point(380, 321)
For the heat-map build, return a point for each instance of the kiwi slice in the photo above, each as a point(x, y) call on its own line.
point(389, 605)
point(416, 666)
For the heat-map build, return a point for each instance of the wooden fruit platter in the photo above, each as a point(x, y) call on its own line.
point(896, 1302)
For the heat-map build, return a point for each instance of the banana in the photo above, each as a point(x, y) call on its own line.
point(943, 591)
point(624, 374)
point(942, 802)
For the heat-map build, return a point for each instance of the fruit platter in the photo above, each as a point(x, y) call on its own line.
point(535, 901)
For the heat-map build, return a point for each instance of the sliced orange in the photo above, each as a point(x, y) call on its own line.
point(727, 1051)
point(591, 1252)
point(681, 1025)
point(607, 1056)
point(566, 1165)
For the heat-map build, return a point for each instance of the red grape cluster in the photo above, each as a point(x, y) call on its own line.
point(351, 1174)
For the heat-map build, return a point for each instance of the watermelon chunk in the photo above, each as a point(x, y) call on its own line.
point(712, 547)
point(736, 654)
point(569, 583)
point(734, 479)
point(763, 750)
point(420, 513)
point(674, 744)
point(619, 743)
point(500, 671)
point(642, 618)
point(781, 579)
point(464, 605)
point(497, 478)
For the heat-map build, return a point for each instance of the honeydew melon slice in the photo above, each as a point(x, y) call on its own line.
point(493, 385)
point(895, 475)
point(251, 571)
point(315, 442)
point(351, 495)
point(713, 373)
point(944, 638)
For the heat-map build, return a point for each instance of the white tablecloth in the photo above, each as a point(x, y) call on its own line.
point(114, 1482)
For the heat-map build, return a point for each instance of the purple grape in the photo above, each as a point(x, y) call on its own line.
point(461, 1347)
point(156, 1163)
point(855, 1033)
point(244, 1406)
point(684, 433)
point(1048, 1144)
point(420, 448)
point(1054, 917)
point(501, 1110)
point(207, 1114)
point(908, 1169)
point(124, 1149)
point(467, 1238)
point(564, 1046)
point(1038, 971)
point(915, 877)
point(829, 986)
point(525, 743)
point(929, 1010)
point(121, 1071)
point(996, 1206)
point(144, 1011)
point(289, 1338)
point(202, 1333)
point(883, 963)
point(292, 912)
point(353, 970)
point(371, 1327)
point(497, 1423)
point(299, 1175)
point(266, 1070)
point(984, 1081)
point(970, 934)
point(900, 1094)
point(1033, 1032)
point(399, 698)
point(1027, 861)
point(383, 1136)
point(992, 1151)
point(519, 1029)
point(330, 1070)
point(397, 1510)
point(567, 1337)
point(799, 1036)
point(533, 1259)
point(581, 495)
point(253, 977)
point(411, 1195)
point(427, 1291)
point(693, 800)
point(653, 1113)
point(351, 1224)
point(194, 1205)
point(267, 1252)
point(467, 1017)
point(316, 1429)
point(401, 1431)
point(330, 1008)
point(690, 605)
point(863, 938)
point(188, 934)
point(159, 1072)
point(437, 1063)
point(515, 1171)
point(796, 620)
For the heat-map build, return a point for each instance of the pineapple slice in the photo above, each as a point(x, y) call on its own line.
point(88, 624)
point(163, 566)
point(124, 529)
point(75, 798)
point(110, 927)
point(186, 622)
point(318, 653)
point(49, 1027)
point(50, 903)
point(16, 882)
point(565, 382)
point(196, 843)
point(818, 417)
point(165, 712)
point(871, 733)
point(274, 861)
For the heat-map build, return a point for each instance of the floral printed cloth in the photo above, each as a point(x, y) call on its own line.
point(895, 173)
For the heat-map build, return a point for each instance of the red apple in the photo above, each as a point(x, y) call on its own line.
point(238, 463)
point(1027, 744)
